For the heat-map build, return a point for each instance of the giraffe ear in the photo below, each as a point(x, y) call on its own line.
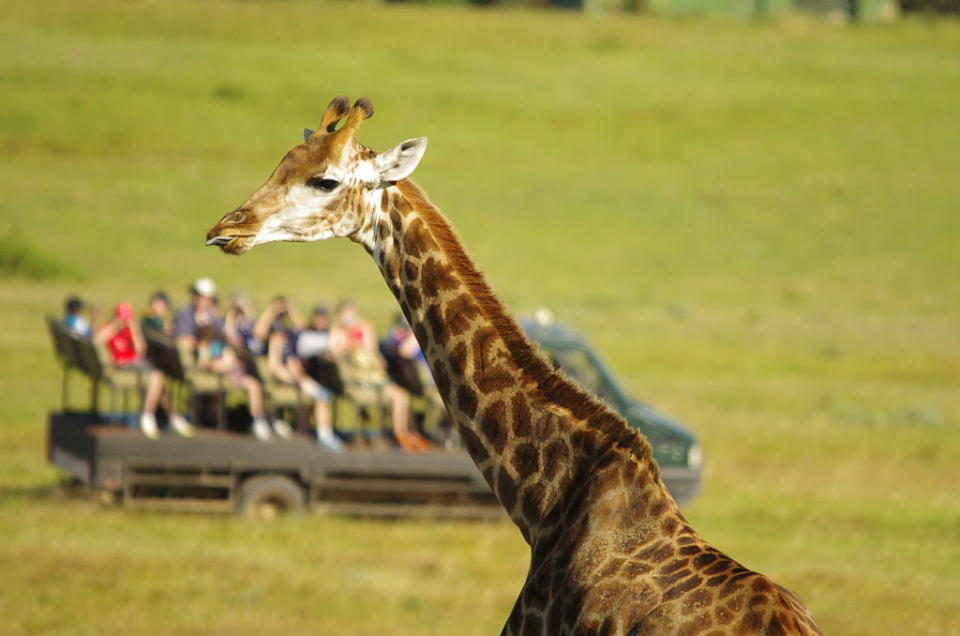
point(401, 160)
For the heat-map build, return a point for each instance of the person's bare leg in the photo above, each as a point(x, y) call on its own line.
point(151, 398)
point(399, 408)
point(255, 395)
point(322, 417)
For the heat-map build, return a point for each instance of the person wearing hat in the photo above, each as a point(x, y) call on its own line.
point(124, 342)
point(202, 310)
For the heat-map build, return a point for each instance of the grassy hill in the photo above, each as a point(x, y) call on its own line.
point(756, 223)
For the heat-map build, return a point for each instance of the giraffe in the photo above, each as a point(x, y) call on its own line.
point(610, 552)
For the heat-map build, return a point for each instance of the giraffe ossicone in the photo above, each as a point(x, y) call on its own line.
point(610, 551)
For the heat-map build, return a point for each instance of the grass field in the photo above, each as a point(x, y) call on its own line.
point(756, 223)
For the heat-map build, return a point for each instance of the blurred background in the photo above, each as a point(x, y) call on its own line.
point(749, 207)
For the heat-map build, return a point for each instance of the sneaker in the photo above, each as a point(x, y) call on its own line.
point(261, 430)
point(282, 429)
point(148, 424)
point(328, 440)
point(181, 425)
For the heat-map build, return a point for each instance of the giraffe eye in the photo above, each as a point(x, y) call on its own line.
point(319, 183)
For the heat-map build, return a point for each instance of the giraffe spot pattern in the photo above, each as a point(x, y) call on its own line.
point(459, 313)
point(506, 489)
point(752, 623)
point(410, 270)
point(521, 416)
point(434, 320)
point(442, 379)
point(467, 401)
point(668, 580)
point(475, 448)
point(555, 457)
point(436, 277)
point(422, 336)
point(533, 501)
point(682, 588)
point(458, 359)
point(493, 427)
point(657, 553)
point(488, 374)
point(412, 297)
point(525, 460)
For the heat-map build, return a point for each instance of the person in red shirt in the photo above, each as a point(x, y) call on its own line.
point(124, 342)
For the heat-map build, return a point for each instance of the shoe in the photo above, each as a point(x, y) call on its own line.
point(148, 424)
point(409, 442)
point(282, 429)
point(422, 442)
point(329, 441)
point(261, 430)
point(181, 425)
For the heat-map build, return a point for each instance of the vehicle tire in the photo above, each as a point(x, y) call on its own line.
point(267, 497)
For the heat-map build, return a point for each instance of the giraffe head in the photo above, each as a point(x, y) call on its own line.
point(326, 187)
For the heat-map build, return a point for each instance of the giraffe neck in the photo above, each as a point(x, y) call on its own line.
point(532, 433)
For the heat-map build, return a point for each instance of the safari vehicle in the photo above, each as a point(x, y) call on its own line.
point(222, 471)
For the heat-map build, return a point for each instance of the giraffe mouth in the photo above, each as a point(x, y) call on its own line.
point(233, 244)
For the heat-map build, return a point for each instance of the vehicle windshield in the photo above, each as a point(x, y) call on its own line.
point(582, 367)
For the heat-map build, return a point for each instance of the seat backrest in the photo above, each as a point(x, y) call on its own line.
point(162, 353)
point(62, 342)
point(89, 360)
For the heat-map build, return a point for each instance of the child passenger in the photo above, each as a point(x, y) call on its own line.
point(214, 355)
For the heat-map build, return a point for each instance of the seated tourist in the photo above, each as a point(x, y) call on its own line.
point(318, 350)
point(124, 341)
point(364, 371)
point(407, 366)
point(286, 366)
point(157, 315)
point(214, 355)
point(239, 325)
point(74, 319)
point(202, 310)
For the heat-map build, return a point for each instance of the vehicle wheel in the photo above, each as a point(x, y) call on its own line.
point(267, 497)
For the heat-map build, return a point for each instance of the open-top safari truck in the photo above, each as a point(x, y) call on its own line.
point(219, 470)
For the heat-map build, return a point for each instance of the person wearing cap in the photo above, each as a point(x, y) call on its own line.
point(73, 317)
point(202, 310)
point(124, 342)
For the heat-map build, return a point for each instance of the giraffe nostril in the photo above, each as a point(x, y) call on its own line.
point(237, 216)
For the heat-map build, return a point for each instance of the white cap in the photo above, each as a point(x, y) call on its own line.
point(204, 287)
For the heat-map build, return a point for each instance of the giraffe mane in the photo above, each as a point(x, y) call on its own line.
point(554, 385)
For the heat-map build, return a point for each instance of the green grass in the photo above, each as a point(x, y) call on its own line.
point(756, 223)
